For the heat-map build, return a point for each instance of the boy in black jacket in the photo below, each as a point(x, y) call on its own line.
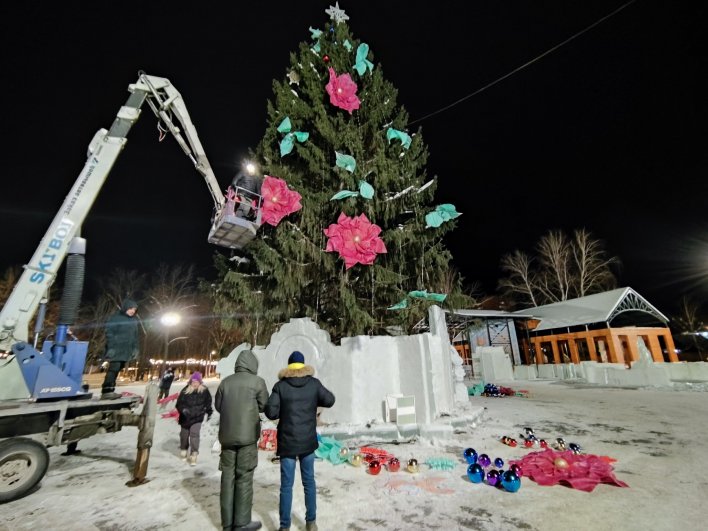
point(294, 401)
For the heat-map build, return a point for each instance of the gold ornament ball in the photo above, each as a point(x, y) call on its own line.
point(412, 466)
point(355, 459)
point(561, 463)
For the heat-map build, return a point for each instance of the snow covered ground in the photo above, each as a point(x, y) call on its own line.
point(657, 436)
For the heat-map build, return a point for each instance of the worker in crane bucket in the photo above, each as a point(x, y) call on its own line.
point(248, 190)
point(121, 345)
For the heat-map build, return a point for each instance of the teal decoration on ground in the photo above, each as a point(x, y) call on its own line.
point(476, 389)
point(395, 134)
point(362, 63)
point(331, 450)
point(346, 161)
point(441, 463)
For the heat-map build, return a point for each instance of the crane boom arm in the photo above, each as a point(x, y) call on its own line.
point(105, 147)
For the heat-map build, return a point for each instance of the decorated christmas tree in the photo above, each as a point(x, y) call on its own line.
point(350, 236)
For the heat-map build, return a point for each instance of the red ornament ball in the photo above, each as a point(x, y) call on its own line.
point(326, 58)
point(374, 467)
point(394, 465)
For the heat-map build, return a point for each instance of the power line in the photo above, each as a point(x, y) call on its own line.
point(550, 50)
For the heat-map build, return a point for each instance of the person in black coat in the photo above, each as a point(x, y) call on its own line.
point(248, 189)
point(193, 402)
point(121, 345)
point(294, 402)
point(166, 383)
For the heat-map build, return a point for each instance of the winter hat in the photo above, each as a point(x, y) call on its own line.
point(128, 304)
point(196, 375)
point(296, 360)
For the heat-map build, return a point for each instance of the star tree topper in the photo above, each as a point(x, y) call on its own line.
point(336, 14)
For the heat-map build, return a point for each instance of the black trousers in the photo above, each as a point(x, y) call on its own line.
point(109, 382)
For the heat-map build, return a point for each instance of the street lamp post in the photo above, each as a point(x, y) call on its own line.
point(211, 369)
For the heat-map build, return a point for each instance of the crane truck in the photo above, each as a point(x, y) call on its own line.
point(43, 401)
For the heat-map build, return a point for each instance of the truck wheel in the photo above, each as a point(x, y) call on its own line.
point(23, 463)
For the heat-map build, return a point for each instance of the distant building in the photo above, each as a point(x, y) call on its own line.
point(603, 327)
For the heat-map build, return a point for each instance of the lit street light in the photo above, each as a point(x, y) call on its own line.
point(170, 320)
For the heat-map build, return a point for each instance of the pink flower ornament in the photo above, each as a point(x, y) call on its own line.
point(355, 239)
point(342, 91)
point(278, 200)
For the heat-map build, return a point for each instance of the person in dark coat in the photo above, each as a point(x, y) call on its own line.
point(193, 402)
point(121, 345)
point(294, 401)
point(166, 383)
point(240, 399)
point(248, 189)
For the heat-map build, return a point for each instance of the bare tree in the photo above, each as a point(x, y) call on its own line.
point(594, 273)
point(519, 285)
point(562, 269)
point(690, 328)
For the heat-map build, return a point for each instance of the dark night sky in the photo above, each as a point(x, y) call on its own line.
point(608, 132)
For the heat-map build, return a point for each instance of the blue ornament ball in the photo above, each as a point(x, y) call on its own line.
point(499, 462)
point(475, 473)
point(470, 455)
point(492, 478)
point(484, 460)
point(510, 481)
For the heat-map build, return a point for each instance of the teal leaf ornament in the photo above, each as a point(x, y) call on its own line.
point(346, 161)
point(362, 63)
point(437, 297)
point(399, 306)
point(366, 190)
point(285, 125)
point(440, 215)
point(343, 195)
point(405, 138)
point(288, 141)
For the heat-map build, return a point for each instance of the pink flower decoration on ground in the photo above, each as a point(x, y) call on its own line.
point(579, 471)
point(278, 200)
point(342, 91)
point(355, 239)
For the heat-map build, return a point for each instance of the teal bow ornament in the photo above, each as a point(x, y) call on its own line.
point(346, 161)
point(315, 33)
point(440, 215)
point(362, 63)
point(348, 45)
point(365, 190)
point(288, 142)
point(405, 138)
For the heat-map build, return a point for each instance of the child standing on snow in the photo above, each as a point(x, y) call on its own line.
point(193, 403)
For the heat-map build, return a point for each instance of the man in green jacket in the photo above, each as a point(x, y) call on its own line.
point(239, 400)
